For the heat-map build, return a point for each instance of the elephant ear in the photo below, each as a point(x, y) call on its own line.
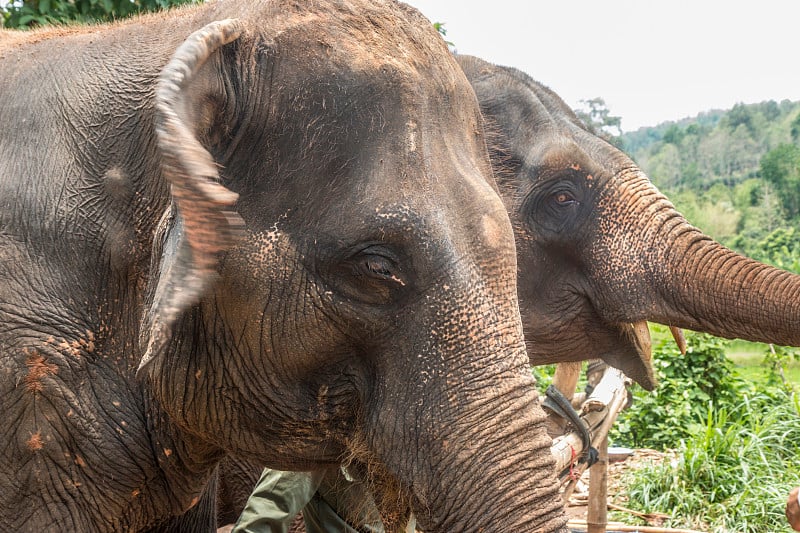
point(204, 224)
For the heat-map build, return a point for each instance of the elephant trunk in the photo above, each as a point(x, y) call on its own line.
point(497, 462)
point(687, 279)
point(491, 468)
point(480, 455)
point(721, 292)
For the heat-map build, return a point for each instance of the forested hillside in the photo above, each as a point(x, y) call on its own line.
point(735, 174)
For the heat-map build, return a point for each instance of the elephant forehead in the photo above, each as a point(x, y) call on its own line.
point(439, 219)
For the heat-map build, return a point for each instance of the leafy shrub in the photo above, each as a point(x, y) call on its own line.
point(734, 474)
point(544, 376)
point(26, 14)
point(737, 444)
point(689, 385)
point(780, 248)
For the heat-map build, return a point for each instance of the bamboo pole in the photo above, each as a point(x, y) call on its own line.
point(599, 412)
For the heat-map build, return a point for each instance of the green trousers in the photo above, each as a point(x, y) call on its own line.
point(322, 496)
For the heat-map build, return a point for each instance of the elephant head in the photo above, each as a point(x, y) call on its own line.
point(258, 228)
point(336, 278)
point(601, 250)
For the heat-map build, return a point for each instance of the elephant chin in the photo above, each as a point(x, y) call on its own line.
point(634, 355)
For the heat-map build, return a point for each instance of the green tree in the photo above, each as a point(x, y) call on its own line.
point(770, 110)
point(673, 135)
point(781, 168)
point(795, 129)
point(689, 385)
point(741, 115)
point(597, 117)
point(33, 13)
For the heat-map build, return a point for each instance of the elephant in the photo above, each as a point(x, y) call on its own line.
point(599, 251)
point(266, 229)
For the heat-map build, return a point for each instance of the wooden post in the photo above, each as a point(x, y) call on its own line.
point(597, 513)
point(599, 412)
point(566, 378)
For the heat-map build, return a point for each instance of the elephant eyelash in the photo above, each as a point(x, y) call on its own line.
point(380, 267)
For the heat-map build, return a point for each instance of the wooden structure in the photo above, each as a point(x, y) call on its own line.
point(597, 412)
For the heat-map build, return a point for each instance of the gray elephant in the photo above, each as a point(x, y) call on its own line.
point(261, 228)
point(599, 251)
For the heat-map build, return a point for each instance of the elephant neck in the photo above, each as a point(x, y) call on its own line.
point(186, 461)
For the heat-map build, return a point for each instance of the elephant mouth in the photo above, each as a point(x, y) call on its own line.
point(638, 335)
point(638, 365)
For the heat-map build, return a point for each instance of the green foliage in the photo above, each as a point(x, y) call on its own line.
point(598, 118)
point(439, 27)
point(544, 376)
point(714, 211)
point(781, 168)
point(794, 129)
point(715, 147)
point(776, 359)
point(32, 13)
point(737, 444)
point(674, 135)
point(689, 386)
point(739, 115)
point(733, 474)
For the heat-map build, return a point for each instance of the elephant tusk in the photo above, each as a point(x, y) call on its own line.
point(641, 336)
point(680, 340)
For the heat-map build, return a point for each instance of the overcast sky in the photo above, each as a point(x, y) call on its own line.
point(651, 61)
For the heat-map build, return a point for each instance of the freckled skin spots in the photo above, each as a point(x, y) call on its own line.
point(38, 368)
point(35, 442)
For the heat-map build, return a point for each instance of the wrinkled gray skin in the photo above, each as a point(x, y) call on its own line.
point(599, 248)
point(283, 242)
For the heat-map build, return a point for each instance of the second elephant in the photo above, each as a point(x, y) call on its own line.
point(600, 250)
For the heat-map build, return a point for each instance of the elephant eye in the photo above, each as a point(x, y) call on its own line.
point(380, 268)
point(554, 208)
point(371, 274)
point(564, 198)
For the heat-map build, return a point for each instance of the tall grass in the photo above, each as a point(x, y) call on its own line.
point(736, 440)
point(735, 475)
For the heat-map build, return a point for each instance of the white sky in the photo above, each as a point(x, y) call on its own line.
point(651, 61)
